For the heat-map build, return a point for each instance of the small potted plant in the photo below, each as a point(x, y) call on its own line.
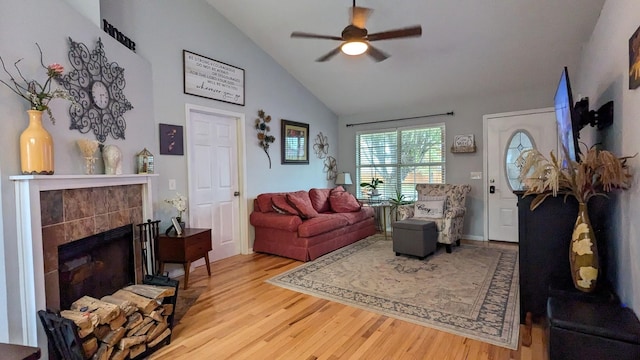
point(373, 185)
point(397, 201)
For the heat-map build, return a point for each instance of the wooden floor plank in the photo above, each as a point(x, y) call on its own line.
point(239, 316)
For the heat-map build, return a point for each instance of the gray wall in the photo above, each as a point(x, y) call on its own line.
point(161, 30)
point(603, 75)
point(467, 120)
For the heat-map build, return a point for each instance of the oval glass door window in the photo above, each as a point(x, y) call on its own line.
point(520, 141)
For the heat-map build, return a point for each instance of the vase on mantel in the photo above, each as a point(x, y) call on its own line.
point(583, 254)
point(36, 147)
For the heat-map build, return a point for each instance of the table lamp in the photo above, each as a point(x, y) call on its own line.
point(343, 179)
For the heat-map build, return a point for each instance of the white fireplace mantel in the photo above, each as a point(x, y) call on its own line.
point(29, 233)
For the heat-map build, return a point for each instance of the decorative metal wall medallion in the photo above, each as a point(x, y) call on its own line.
point(330, 167)
point(96, 85)
point(321, 146)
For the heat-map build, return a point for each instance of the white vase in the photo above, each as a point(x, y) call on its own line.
point(112, 157)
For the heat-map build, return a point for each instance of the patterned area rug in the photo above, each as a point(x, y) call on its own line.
point(472, 292)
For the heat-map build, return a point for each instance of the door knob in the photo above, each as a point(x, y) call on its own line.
point(236, 193)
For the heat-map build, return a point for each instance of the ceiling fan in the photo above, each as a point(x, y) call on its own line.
point(355, 38)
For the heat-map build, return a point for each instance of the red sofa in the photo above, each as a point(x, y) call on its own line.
point(306, 236)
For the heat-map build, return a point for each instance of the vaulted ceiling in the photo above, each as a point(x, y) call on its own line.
point(467, 46)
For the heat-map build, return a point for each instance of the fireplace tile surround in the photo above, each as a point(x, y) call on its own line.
point(62, 209)
point(73, 214)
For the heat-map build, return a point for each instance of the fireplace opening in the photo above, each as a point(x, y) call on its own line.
point(96, 266)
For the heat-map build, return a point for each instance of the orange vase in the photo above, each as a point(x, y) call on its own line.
point(36, 147)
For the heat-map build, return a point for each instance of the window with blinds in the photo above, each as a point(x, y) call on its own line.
point(401, 158)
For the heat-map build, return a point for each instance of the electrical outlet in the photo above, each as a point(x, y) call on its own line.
point(172, 184)
point(476, 175)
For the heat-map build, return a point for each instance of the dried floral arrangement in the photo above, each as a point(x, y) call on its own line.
point(88, 148)
point(38, 95)
point(263, 133)
point(597, 173)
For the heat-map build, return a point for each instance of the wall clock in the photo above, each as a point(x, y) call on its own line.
point(96, 86)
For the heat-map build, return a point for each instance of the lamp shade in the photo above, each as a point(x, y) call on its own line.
point(343, 179)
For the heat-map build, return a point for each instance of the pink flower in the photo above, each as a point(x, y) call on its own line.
point(55, 70)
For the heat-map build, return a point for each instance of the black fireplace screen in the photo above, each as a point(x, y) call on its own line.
point(96, 266)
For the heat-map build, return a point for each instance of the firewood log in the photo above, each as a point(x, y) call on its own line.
point(159, 329)
point(161, 337)
point(120, 354)
point(168, 309)
point(134, 320)
point(127, 342)
point(157, 314)
point(135, 329)
point(104, 352)
point(127, 306)
point(143, 330)
point(152, 291)
point(114, 336)
point(104, 310)
point(83, 333)
point(90, 346)
point(101, 331)
point(137, 350)
point(145, 305)
point(118, 321)
point(83, 320)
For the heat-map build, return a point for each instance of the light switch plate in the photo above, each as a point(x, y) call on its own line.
point(172, 184)
point(476, 175)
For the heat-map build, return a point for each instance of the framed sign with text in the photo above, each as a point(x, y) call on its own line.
point(212, 79)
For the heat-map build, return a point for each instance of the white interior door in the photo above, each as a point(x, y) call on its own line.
point(213, 180)
point(507, 135)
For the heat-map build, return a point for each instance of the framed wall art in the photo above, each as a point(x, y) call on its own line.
point(212, 79)
point(463, 144)
point(171, 140)
point(295, 142)
point(634, 60)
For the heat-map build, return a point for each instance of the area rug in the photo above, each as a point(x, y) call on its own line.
point(472, 292)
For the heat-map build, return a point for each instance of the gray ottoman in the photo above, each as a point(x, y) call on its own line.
point(414, 237)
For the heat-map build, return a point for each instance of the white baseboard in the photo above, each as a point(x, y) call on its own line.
point(473, 237)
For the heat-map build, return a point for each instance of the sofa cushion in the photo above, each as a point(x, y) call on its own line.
point(272, 220)
point(320, 199)
point(433, 209)
point(281, 205)
point(301, 202)
point(354, 217)
point(342, 202)
point(321, 224)
point(265, 203)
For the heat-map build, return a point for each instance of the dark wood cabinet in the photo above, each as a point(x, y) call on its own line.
point(544, 236)
point(192, 245)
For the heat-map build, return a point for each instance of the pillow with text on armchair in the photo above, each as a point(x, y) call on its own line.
point(443, 204)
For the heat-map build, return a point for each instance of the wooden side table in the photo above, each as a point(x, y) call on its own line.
point(192, 245)
point(19, 352)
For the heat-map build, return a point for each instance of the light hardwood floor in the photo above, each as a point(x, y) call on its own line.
point(239, 316)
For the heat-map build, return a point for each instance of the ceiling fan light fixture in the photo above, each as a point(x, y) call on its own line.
point(355, 47)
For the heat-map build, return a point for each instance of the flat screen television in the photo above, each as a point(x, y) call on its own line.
point(566, 118)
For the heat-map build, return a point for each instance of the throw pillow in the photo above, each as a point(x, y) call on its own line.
point(429, 209)
point(342, 202)
point(320, 199)
point(281, 205)
point(435, 198)
point(301, 202)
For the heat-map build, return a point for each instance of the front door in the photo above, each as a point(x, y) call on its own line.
point(507, 135)
point(213, 179)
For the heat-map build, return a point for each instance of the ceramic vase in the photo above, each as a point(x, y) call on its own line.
point(36, 147)
point(583, 253)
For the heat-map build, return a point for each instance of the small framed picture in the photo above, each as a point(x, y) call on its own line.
point(176, 225)
point(171, 140)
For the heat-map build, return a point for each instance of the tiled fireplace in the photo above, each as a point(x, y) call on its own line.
point(60, 209)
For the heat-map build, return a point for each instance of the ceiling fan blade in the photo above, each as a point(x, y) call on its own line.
point(359, 16)
point(376, 54)
point(397, 33)
point(299, 34)
point(329, 55)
